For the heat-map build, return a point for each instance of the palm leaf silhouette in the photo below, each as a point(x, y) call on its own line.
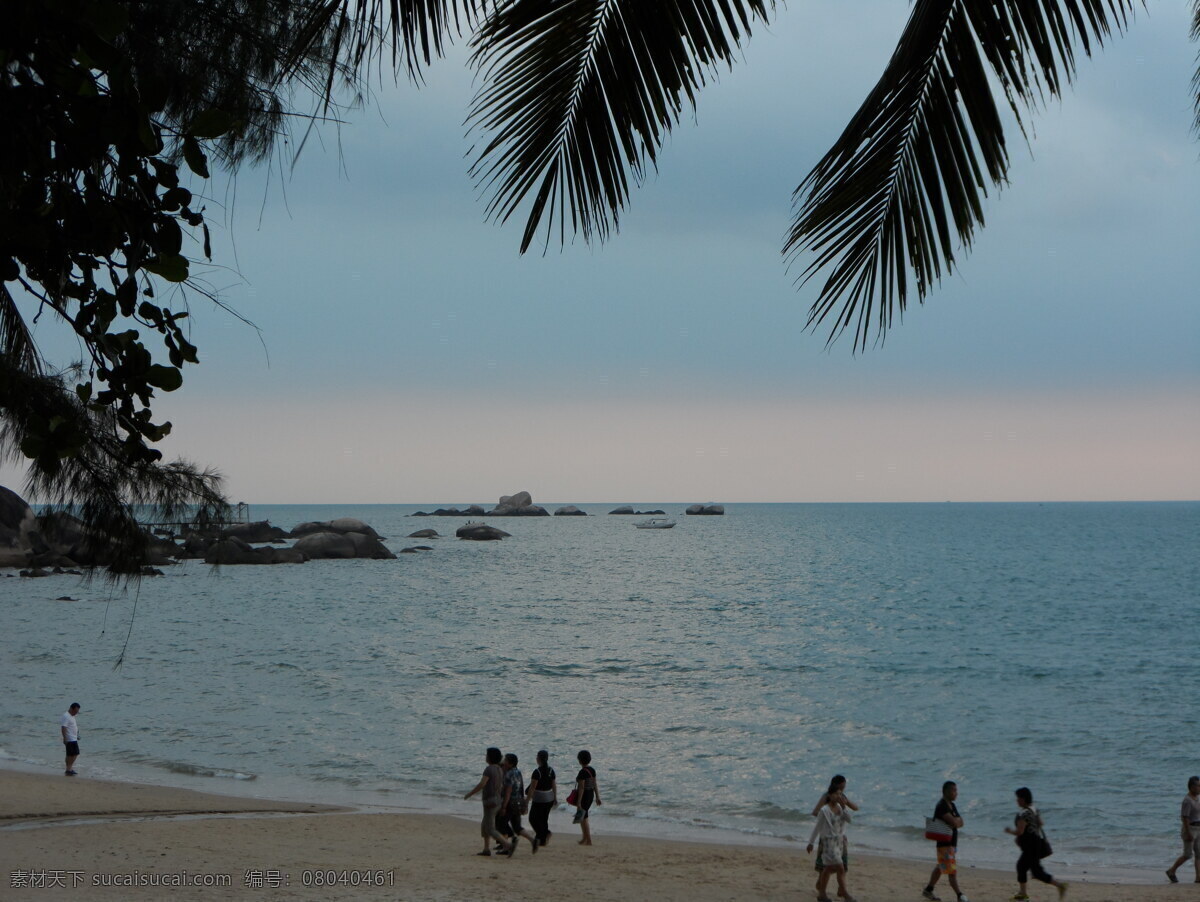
point(904, 184)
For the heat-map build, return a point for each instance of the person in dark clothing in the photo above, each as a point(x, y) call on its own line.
point(947, 851)
point(543, 796)
point(588, 791)
point(1031, 840)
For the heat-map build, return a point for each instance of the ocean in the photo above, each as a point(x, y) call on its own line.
point(720, 672)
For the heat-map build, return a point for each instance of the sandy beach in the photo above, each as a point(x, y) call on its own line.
point(85, 839)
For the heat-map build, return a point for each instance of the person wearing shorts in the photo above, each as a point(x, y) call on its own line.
point(1189, 815)
point(947, 850)
point(508, 818)
point(70, 737)
point(491, 784)
point(588, 791)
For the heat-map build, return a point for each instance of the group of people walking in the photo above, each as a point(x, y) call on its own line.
point(1028, 831)
point(829, 838)
point(506, 799)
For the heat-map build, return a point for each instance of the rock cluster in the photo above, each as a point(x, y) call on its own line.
point(626, 509)
point(57, 540)
point(518, 505)
point(709, 509)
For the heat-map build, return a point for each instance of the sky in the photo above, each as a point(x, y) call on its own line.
point(405, 352)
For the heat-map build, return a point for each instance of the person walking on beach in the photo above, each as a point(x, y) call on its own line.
point(543, 796)
point(947, 850)
point(836, 790)
point(1030, 836)
point(829, 835)
point(70, 737)
point(508, 820)
point(587, 790)
point(1189, 815)
point(491, 784)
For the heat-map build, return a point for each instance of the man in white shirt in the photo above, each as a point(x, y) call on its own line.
point(1189, 814)
point(70, 737)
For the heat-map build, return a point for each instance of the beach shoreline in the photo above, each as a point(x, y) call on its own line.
point(99, 839)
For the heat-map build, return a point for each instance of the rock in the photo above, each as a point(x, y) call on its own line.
point(256, 533)
point(320, 545)
point(706, 509)
point(518, 505)
point(13, 557)
point(16, 523)
point(323, 545)
point(424, 534)
point(151, 571)
point(569, 510)
point(521, 499)
point(237, 551)
point(35, 573)
point(307, 529)
point(284, 555)
point(66, 598)
point(624, 509)
point(341, 526)
point(234, 551)
point(350, 524)
point(629, 510)
point(480, 532)
point(369, 546)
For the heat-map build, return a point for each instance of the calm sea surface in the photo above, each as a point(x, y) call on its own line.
point(720, 672)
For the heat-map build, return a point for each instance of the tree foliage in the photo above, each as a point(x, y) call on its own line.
point(93, 223)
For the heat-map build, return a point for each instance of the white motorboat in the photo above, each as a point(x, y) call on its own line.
point(656, 523)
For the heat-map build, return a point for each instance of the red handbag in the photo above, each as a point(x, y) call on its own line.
point(573, 798)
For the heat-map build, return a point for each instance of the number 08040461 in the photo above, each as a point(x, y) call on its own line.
point(347, 877)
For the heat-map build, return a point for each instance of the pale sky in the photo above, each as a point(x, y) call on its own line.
point(413, 356)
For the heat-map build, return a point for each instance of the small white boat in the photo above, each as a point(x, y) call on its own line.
point(656, 523)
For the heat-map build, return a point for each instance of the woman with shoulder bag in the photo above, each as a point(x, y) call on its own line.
point(1030, 836)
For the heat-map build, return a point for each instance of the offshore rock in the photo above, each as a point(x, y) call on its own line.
point(570, 510)
point(480, 532)
point(706, 509)
point(518, 505)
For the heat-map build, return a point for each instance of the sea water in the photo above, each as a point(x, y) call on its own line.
point(720, 672)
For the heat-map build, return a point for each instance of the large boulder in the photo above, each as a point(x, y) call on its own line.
point(319, 545)
point(518, 505)
point(570, 510)
point(623, 509)
point(706, 509)
point(237, 551)
point(480, 532)
point(340, 526)
point(234, 551)
point(16, 520)
point(255, 533)
point(350, 524)
point(424, 533)
point(322, 545)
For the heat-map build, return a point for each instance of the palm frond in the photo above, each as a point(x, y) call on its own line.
point(903, 186)
point(1196, 77)
point(578, 95)
point(17, 346)
point(419, 30)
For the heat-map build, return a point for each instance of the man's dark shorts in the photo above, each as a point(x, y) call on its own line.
point(72, 748)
